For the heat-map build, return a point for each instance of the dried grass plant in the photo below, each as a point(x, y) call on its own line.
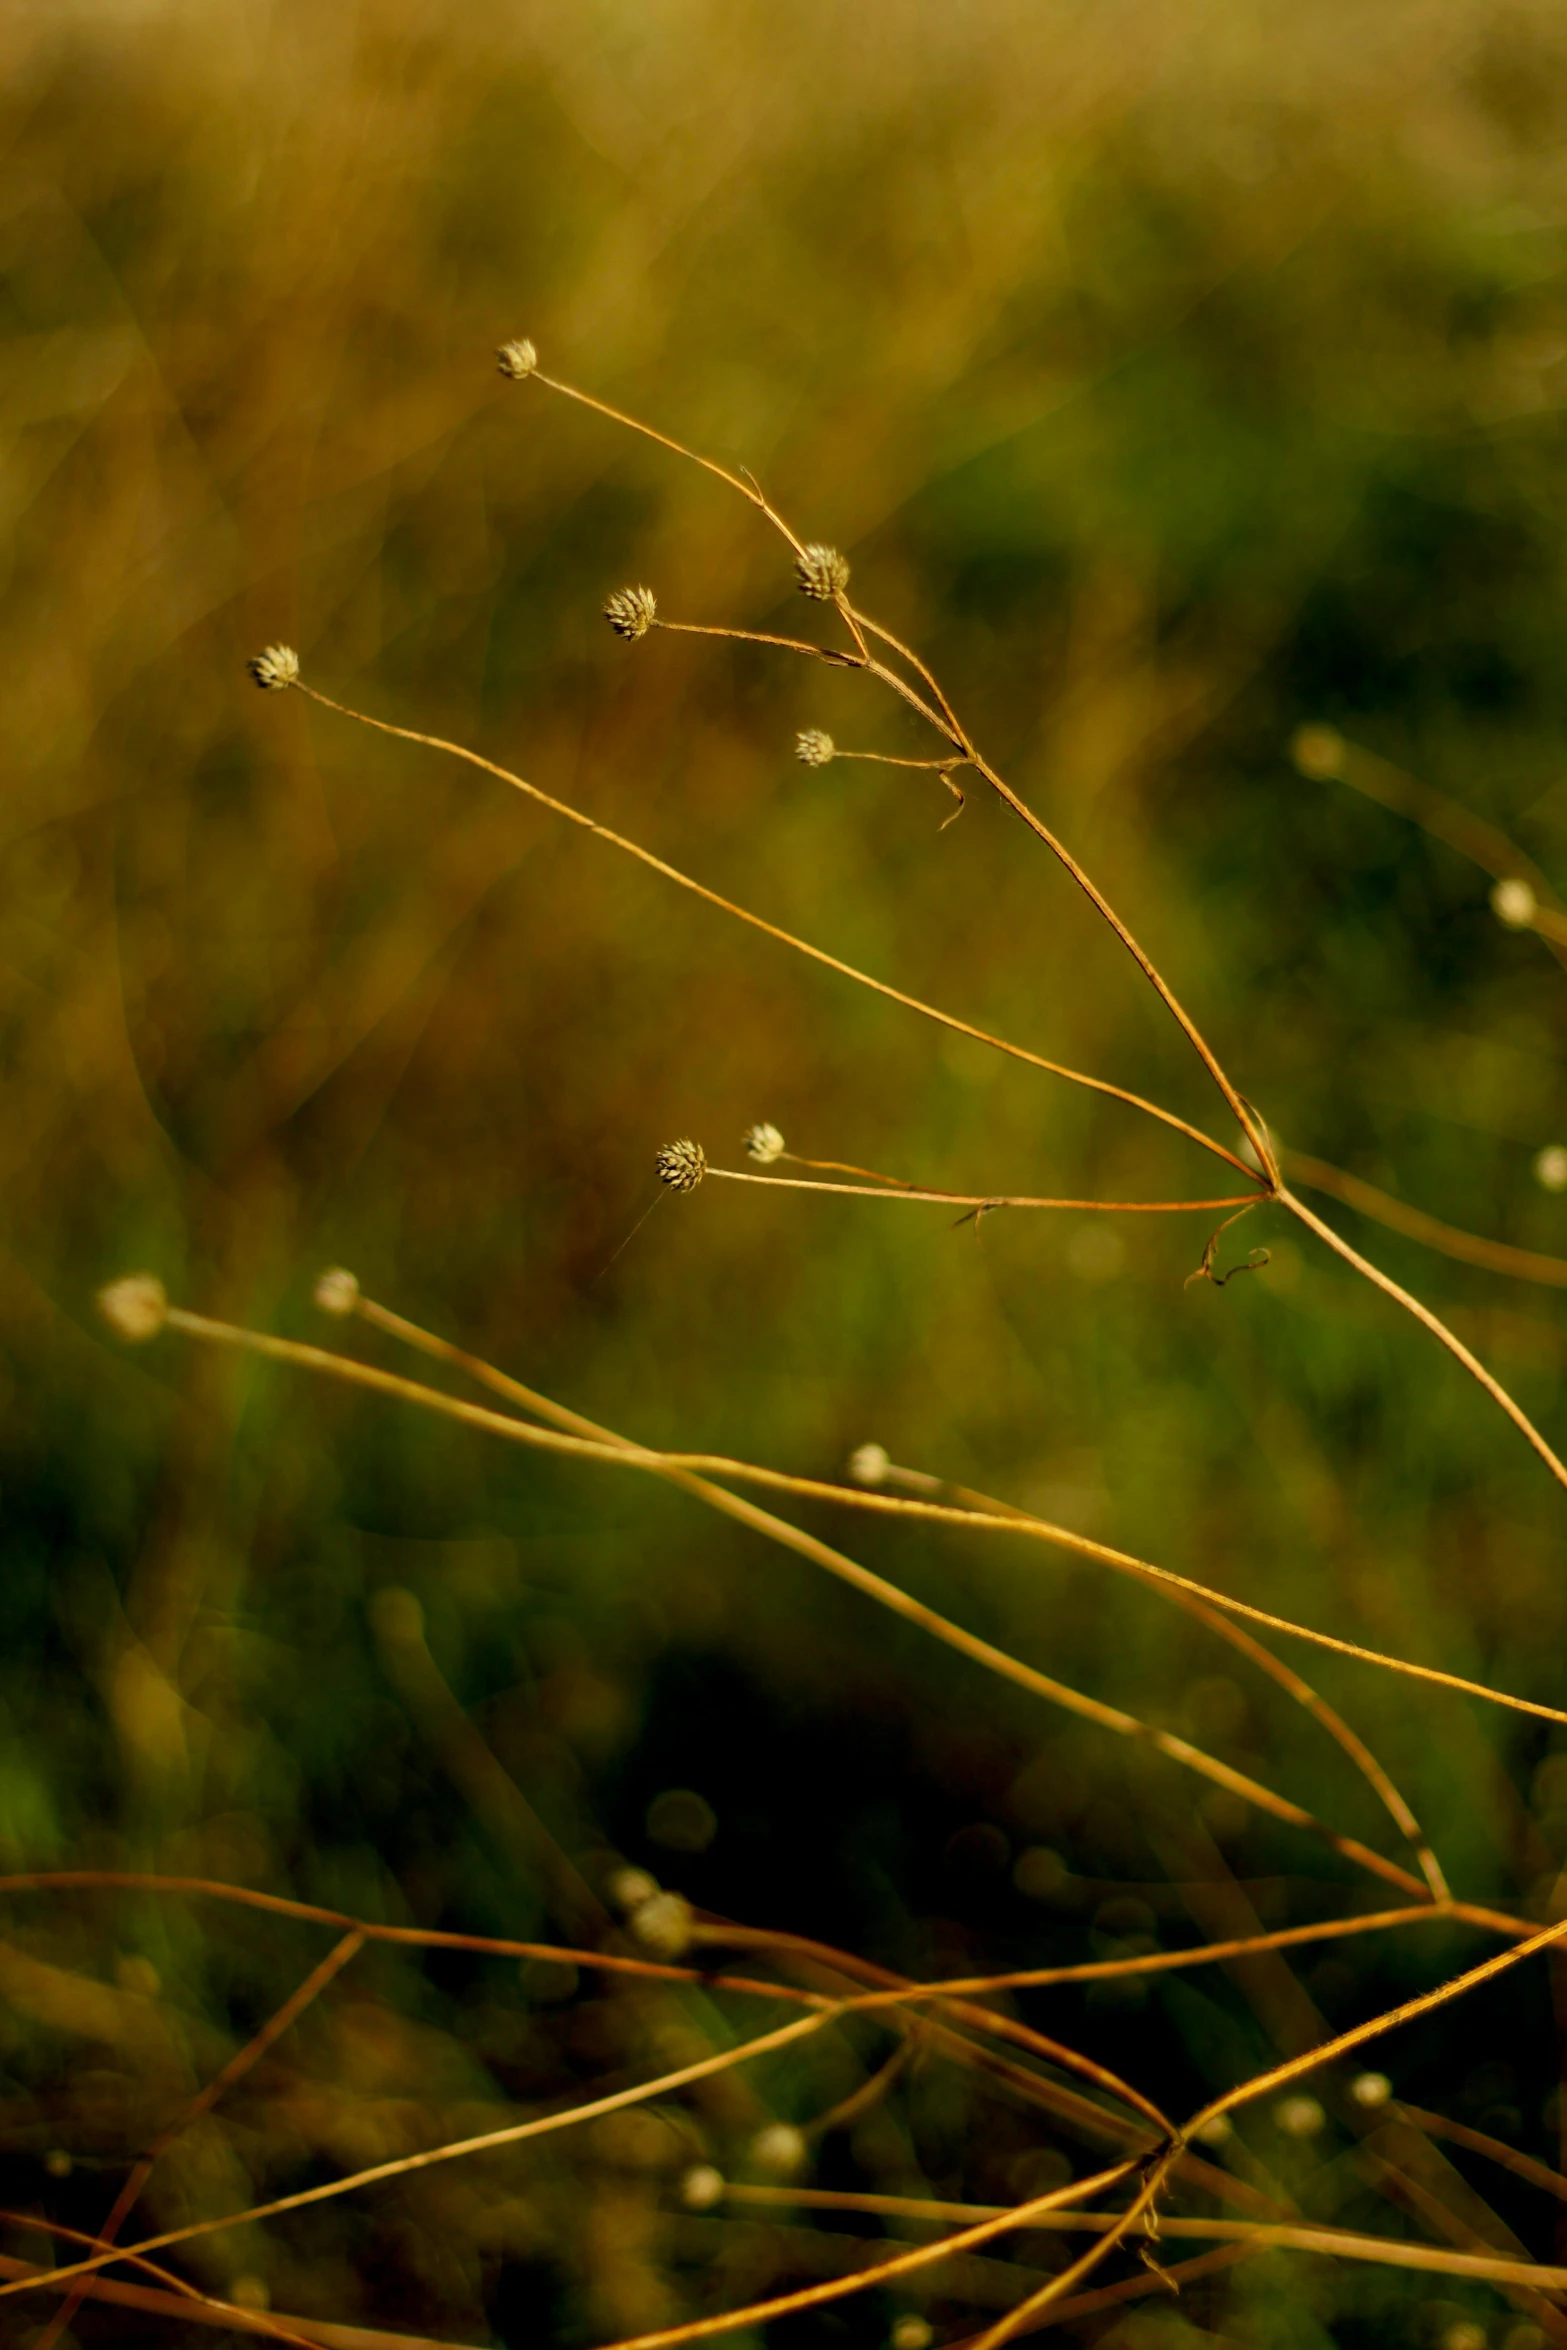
point(701, 2006)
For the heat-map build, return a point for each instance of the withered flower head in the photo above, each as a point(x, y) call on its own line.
point(822, 572)
point(682, 1164)
point(631, 612)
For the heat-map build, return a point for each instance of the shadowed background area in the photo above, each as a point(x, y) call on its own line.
point(1174, 377)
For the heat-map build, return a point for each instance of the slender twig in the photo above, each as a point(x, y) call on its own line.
point(1242, 1642)
point(801, 946)
point(988, 1199)
point(485, 2142)
point(1470, 1248)
point(1433, 1322)
point(888, 1595)
point(235, 2070)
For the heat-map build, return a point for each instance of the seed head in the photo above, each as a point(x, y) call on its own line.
point(1550, 1168)
point(1217, 2132)
point(135, 1307)
point(702, 2187)
point(779, 2148)
point(1512, 902)
point(763, 1144)
point(516, 360)
point(629, 1888)
point(337, 1291)
point(663, 1925)
point(631, 612)
point(1299, 2117)
point(277, 667)
point(1318, 751)
point(911, 2332)
point(682, 1164)
point(1371, 2088)
point(813, 748)
point(869, 1464)
point(821, 572)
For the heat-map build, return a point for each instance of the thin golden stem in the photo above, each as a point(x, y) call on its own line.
point(1263, 2084)
point(747, 488)
point(185, 2300)
point(1260, 2235)
point(901, 2264)
point(847, 1570)
point(516, 2132)
point(945, 719)
point(988, 1199)
point(756, 636)
point(1432, 1322)
point(1469, 1248)
point(235, 2070)
point(1286, 1678)
point(772, 930)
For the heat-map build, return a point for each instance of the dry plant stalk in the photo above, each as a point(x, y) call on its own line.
point(952, 2020)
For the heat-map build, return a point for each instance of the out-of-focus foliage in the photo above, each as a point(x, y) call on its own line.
point(1172, 376)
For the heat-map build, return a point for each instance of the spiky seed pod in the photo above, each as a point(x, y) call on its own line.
point(631, 612)
point(764, 1143)
point(682, 1164)
point(663, 1925)
point(337, 1291)
point(516, 360)
point(813, 748)
point(277, 667)
point(135, 1307)
point(868, 1464)
point(822, 572)
point(1512, 902)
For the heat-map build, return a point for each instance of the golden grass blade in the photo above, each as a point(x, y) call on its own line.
point(183, 2303)
point(188, 2300)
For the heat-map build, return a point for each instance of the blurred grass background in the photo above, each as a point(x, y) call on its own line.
point(1173, 377)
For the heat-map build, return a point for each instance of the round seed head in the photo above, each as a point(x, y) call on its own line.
point(1512, 902)
point(1299, 2117)
point(702, 2187)
point(911, 2332)
point(1318, 751)
point(135, 1308)
point(1371, 2088)
point(516, 360)
point(821, 572)
point(277, 667)
point(1217, 2132)
point(337, 1291)
point(663, 1925)
point(629, 1888)
point(813, 748)
point(868, 1465)
point(1550, 1168)
point(779, 2148)
point(764, 1144)
point(682, 1164)
point(631, 612)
